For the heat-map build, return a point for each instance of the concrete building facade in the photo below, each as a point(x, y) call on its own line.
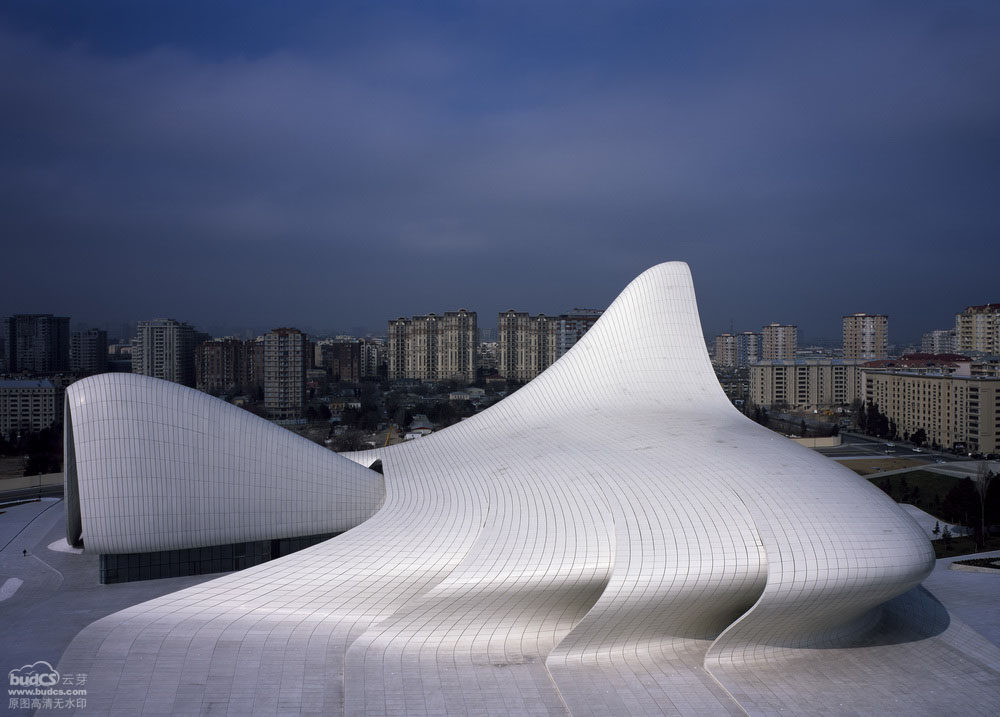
point(88, 352)
point(285, 364)
point(433, 347)
point(573, 326)
point(806, 383)
point(726, 351)
point(372, 357)
point(37, 343)
point(939, 341)
point(748, 348)
point(778, 342)
point(977, 329)
point(341, 360)
point(866, 336)
point(223, 366)
point(28, 406)
point(955, 410)
point(527, 345)
point(164, 348)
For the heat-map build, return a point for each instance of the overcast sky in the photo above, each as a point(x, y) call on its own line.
point(333, 165)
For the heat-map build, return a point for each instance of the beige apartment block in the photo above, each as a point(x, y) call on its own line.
point(977, 329)
point(433, 347)
point(726, 350)
point(866, 336)
point(526, 345)
point(779, 342)
point(806, 383)
point(951, 408)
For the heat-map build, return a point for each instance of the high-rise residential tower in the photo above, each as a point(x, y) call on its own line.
point(977, 329)
point(340, 359)
point(939, 341)
point(726, 353)
point(866, 336)
point(527, 345)
point(779, 342)
point(223, 365)
point(434, 348)
point(747, 348)
point(88, 351)
point(37, 343)
point(285, 373)
point(372, 357)
point(164, 348)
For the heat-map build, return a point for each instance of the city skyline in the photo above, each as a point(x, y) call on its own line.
point(220, 329)
point(340, 166)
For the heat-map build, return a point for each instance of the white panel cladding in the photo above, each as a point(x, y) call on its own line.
point(578, 547)
point(159, 466)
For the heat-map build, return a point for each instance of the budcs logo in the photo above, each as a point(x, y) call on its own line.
point(40, 674)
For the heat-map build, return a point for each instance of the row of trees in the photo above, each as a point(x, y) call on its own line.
point(44, 449)
point(872, 422)
point(973, 502)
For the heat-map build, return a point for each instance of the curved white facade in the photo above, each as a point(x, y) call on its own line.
point(613, 538)
point(152, 465)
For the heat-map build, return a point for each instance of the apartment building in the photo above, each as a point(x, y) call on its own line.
point(573, 326)
point(341, 360)
point(866, 336)
point(372, 357)
point(88, 352)
point(223, 366)
point(37, 343)
point(954, 409)
point(285, 361)
point(28, 406)
point(939, 341)
point(778, 342)
point(977, 329)
point(527, 345)
point(726, 353)
point(748, 348)
point(164, 348)
point(806, 383)
point(433, 347)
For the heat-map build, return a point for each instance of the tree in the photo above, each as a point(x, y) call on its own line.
point(919, 436)
point(802, 427)
point(961, 504)
point(946, 536)
point(937, 527)
point(352, 440)
point(981, 482)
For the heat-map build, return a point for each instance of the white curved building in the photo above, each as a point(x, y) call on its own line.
point(614, 538)
point(152, 465)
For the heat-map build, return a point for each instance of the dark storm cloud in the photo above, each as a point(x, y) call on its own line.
point(807, 164)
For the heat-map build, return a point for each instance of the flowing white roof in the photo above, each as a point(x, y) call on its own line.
point(613, 538)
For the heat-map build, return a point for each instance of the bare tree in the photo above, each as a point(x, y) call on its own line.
point(982, 481)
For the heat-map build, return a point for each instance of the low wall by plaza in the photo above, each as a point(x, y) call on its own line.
point(824, 442)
